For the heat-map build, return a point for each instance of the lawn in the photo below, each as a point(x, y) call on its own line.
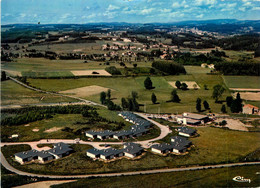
point(13, 93)
point(251, 82)
point(124, 86)
point(200, 178)
point(213, 146)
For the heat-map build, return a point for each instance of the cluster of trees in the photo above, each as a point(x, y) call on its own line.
point(113, 70)
point(235, 104)
point(27, 115)
point(240, 42)
point(239, 68)
point(105, 99)
point(171, 68)
point(130, 103)
point(182, 86)
point(191, 59)
point(218, 90)
point(198, 105)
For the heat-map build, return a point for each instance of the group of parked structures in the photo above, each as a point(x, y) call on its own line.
point(59, 150)
point(130, 150)
point(139, 128)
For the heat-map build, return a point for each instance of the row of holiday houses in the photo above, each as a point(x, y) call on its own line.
point(59, 150)
point(130, 150)
point(139, 128)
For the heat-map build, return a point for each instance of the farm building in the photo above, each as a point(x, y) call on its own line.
point(250, 109)
point(187, 132)
point(192, 119)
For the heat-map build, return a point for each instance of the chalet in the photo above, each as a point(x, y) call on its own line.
point(60, 150)
point(183, 141)
point(132, 151)
point(178, 148)
point(91, 134)
point(161, 148)
point(250, 109)
point(187, 132)
point(26, 156)
point(105, 134)
point(44, 156)
point(93, 153)
point(111, 153)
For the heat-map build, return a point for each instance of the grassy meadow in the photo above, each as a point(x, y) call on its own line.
point(227, 146)
point(124, 86)
point(200, 178)
point(13, 93)
point(250, 82)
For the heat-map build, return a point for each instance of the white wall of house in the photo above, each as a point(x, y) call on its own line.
point(129, 155)
point(91, 155)
point(156, 150)
point(20, 160)
point(89, 135)
point(184, 134)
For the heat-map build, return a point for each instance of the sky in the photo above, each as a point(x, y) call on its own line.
point(132, 11)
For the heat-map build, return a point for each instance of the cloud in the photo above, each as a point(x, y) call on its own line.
point(165, 10)
point(179, 5)
point(147, 11)
point(200, 16)
point(64, 16)
point(228, 7)
point(22, 15)
point(112, 7)
point(256, 8)
point(204, 2)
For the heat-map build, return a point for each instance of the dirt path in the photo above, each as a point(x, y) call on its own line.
point(244, 89)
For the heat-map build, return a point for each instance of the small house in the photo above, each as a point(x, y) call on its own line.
point(250, 109)
point(93, 153)
point(44, 156)
point(187, 132)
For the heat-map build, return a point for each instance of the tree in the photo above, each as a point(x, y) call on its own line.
point(218, 90)
point(152, 70)
point(198, 104)
point(184, 86)
point(229, 100)
point(174, 96)
point(134, 95)
point(205, 87)
point(236, 105)
point(154, 98)
point(148, 83)
point(3, 76)
point(103, 97)
point(124, 103)
point(223, 109)
point(109, 94)
point(206, 105)
point(135, 65)
point(178, 84)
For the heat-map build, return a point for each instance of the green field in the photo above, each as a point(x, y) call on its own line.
point(200, 178)
point(124, 86)
point(213, 146)
point(251, 82)
point(13, 93)
point(76, 122)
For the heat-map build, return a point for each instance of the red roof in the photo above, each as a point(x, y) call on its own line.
point(250, 106)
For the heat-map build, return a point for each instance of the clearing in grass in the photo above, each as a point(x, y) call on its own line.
point(251, 96)
point(96, 72)
point(190, 84)
point(86, 91)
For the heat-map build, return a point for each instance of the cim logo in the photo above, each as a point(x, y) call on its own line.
point(241, 179)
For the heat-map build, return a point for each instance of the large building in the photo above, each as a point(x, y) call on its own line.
point(192, 119)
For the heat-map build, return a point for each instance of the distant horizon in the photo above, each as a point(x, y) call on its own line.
point(130, 22)
point(128, 11)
